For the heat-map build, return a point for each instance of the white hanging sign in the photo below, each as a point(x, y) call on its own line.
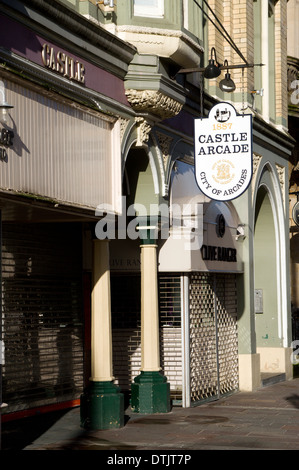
point(223, 152)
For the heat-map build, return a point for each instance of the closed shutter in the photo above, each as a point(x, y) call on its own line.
point(213, 336)
point(203, 347)
point(226, 311)
point(126, 334)
point(41, 314)
point(171, 333)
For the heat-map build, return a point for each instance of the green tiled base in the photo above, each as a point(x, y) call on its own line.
point(102, 406)
point(150, 393)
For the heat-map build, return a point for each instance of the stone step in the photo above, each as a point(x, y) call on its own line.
point(271, 378)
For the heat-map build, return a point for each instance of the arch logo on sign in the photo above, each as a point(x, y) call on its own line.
point(223, 152)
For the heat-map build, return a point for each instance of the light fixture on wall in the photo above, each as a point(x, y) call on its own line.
point(258, 92)
point(212, 70)
point(106, 3)
point(240, 235)
point(227, 84)
point(4, 106)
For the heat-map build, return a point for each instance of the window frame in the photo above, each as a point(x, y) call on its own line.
point(149, 11)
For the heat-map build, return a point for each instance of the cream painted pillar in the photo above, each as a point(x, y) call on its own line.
point(150, 356)
point(101, 334)
point(102, 404)
point(249, 372)
point(150, 392)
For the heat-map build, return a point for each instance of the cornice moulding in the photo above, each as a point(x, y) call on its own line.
point(172, 44)
point(65, 26)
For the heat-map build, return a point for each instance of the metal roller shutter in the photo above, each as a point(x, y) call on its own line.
point(171, 333)
point(213, 336)
point(126, 334)
point(41, 314)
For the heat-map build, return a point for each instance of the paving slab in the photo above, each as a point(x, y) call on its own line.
point(267, 419)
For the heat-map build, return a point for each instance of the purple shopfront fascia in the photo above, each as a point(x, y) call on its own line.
point(24, 42)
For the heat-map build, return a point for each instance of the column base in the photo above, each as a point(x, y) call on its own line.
point(150, 393)
point(102, 406)
point(249, 372)
point(276, 360)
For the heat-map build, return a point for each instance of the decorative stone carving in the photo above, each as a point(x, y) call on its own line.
point(256, 160)
point(143, 128)
point(154, 102)
point(164, 144)
point(123, 126)
point(255, 163)
point(281, 176)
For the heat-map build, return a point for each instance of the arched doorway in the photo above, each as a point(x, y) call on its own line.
point(140, 181)
point(265, 273)
point(134, 289)
point(271, 308)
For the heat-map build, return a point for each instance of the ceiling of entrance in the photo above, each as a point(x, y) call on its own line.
point(30, 210)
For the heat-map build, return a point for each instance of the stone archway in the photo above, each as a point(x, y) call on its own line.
point(265, 272)
point(139, 180)
point(270, 286)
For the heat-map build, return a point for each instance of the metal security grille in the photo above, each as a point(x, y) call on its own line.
point(41, 314)
point(226, 311)
point(203, 351)
point(213, 336)
point(126, 333)
point(170, 332)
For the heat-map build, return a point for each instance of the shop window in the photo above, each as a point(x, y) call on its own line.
point(149, 8)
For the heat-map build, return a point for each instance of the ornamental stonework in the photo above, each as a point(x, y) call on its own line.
point(143, 128)
point(256, 160)
point(165, 142)
point(123, 125)
point(281, 176)
point(154, 102)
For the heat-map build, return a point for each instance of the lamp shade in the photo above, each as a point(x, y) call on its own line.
point(227, 84)
point(212, 70)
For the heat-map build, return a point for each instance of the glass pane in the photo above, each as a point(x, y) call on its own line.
point(153, 8)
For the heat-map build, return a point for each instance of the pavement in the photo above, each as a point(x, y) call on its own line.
point(267, 419)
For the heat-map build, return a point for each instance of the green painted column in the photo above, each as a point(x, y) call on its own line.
point(150, 392)
point(102, 404)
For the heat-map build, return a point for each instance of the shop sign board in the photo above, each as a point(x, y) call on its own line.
point(223, 152)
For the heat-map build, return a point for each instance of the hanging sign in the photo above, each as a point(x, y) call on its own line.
point(223, 153)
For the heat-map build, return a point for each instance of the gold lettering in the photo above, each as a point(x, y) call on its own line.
point(72, 68)
point(60, 62)
point(63, 64)
point(45, 52)
point(81, 72)
point(51, 64)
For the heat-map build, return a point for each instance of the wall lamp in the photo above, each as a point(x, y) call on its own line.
point(258, 92)
point(213, 70)
point(4, 106)
point(106, 3)
point(227, 84)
